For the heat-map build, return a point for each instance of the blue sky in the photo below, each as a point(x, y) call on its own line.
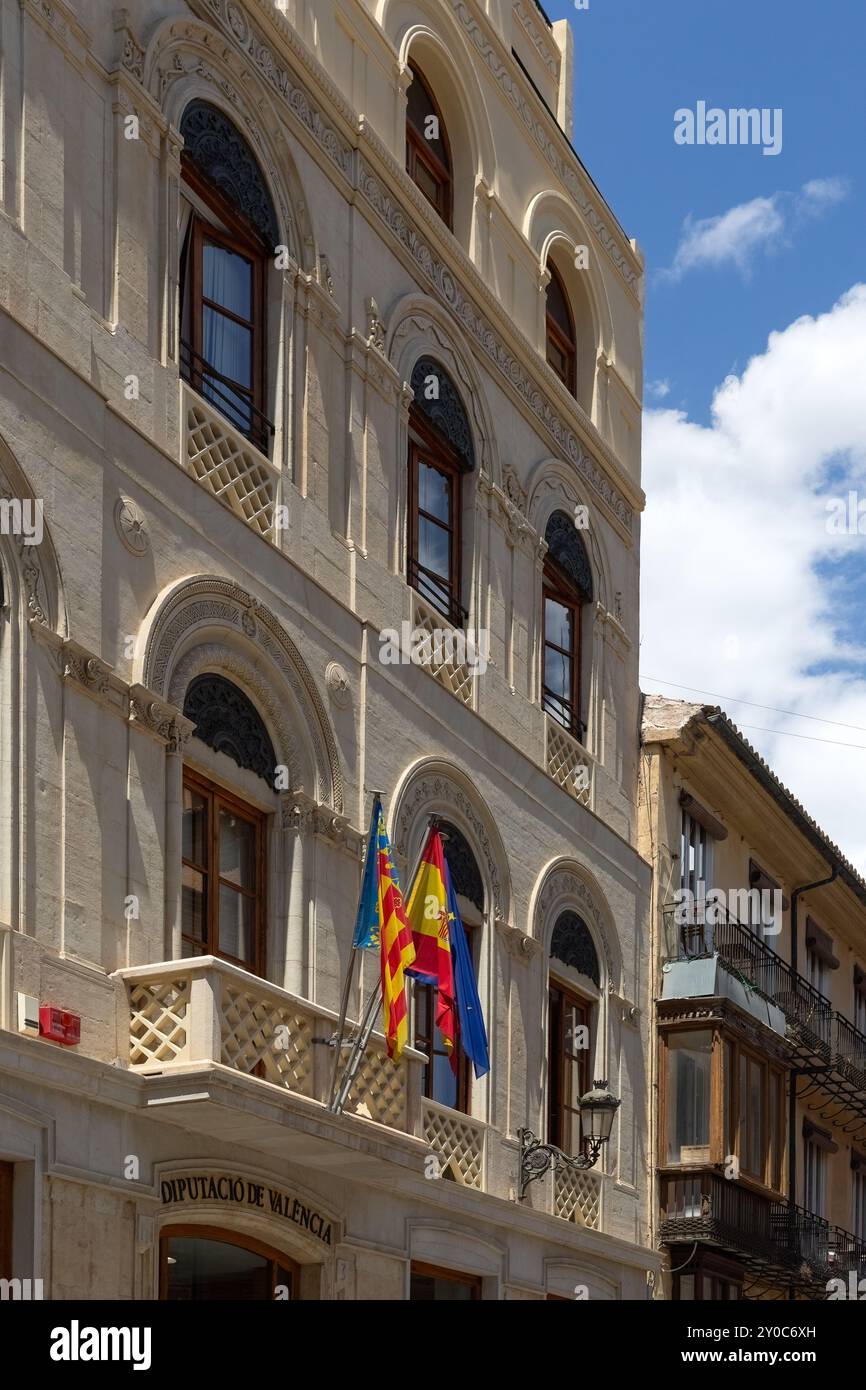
point(755, 364)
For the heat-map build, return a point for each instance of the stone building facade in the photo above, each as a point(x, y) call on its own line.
point(279, 377)
point(759, 977)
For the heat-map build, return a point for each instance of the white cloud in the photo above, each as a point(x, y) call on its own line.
point(737, 236)
point(735, 525)
point(659, 389)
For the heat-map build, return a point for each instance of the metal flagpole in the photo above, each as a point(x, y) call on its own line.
point(367, 1023)
point(347, 989)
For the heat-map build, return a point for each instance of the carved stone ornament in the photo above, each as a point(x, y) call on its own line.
point(375, 326)
point(131, 526)
point(338, 684)
point(172, 661)
point(162, 721)
point(565, 891)
point(84, 669)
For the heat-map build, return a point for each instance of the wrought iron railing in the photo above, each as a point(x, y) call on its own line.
point(748, 958)
point(437, 592)
point(779, 1235)
point(222, 392)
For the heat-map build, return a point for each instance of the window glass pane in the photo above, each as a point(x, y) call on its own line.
point(557, 359)
point(434, 547)
point(687, 1287)
point(227, 346)
point(237, 850)
point(557, 673)
point(421, 115)
point(227, 279)
point(428, 1288)
point(237, 925)
point(557, 307)
point(194, 826)
point(445, 1089)
point(558, 624)
point(193, 904)
point(756, 1105)
point(688, 1097)
point(200, 1270)
point(434, 493)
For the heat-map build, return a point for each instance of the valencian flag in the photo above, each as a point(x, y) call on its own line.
point(427, 912)
point(381, 922)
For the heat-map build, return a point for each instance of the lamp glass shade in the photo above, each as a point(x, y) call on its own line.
point(597, 1109)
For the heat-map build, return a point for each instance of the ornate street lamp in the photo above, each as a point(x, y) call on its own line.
point(597, 1109)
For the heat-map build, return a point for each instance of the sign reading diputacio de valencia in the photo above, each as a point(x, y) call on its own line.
point(231, 1189)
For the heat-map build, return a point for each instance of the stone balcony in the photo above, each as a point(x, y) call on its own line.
point(190, 1012)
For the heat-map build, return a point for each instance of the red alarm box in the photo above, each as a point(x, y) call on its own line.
point(59, 1025)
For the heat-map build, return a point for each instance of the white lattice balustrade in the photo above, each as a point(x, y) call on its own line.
point(459, 1142)
point(444, 655)
point(261, 1032)
point(568, 762)
point(577, 1197)
point(379, 1090)
point(228, 464)
point(158, 1023)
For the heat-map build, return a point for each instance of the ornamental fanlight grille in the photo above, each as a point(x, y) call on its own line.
point(566, 549)
point(222, 155)
point(229, 723)
point(437, 397)
point(465, 874)
point(573, 945)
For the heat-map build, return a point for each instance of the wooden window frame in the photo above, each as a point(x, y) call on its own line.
point(556, 586)
point(418, 151)
point(427, 446)
point(455, 1276)
point(7, 1182)
point(217, 797)
point(558, 1060)
point(241, 238)
point(724, 1138)
point(221, 1236)
point(554, 332)
point(705, 1263)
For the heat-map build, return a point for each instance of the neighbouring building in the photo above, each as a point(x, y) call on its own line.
point(314, 329)
point(759, 980)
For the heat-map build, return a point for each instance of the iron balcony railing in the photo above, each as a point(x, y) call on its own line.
point(437, 592)
point(224, 393)
point(747, 957)
point(778, 1235)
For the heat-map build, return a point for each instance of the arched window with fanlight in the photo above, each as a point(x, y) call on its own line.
point(441, 453)
point(228, 234)
point(428, 152)
point(561, 337)
point(223, 898)
point(574, 990)
point(567, 589)
point(441, 1081)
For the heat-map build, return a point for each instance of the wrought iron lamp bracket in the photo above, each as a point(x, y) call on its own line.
point(538, 1158)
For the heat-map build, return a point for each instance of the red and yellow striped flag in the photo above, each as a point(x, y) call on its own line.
point(429, 917)
point(397, 948)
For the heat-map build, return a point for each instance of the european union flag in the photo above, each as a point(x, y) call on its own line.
point(473, 1034)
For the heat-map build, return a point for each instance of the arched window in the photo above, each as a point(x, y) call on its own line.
point(229, 232)
point(223, 898)
point(561, 339)
point(440, 1080)
point(570, 1031)
point(567, 587)
point(428, 154)
point(440, 453)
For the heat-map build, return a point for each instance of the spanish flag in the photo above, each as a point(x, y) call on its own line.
point(429, 918)
point(382, 922)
